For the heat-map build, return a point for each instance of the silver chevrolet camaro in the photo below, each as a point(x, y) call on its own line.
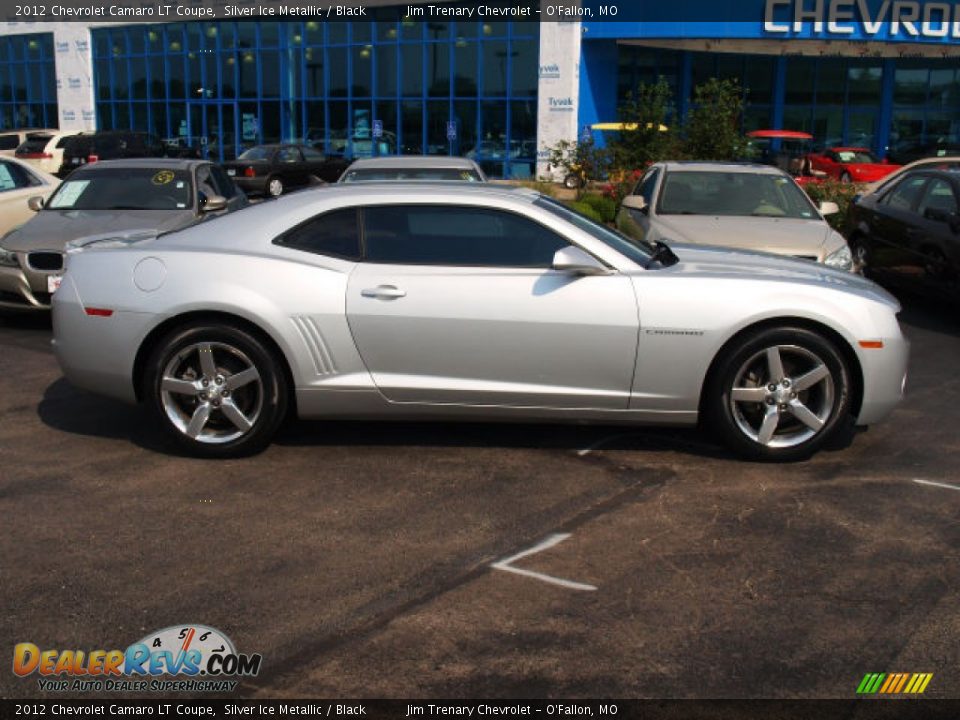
point(469, 302)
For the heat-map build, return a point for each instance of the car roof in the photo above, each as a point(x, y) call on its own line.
point(158, 163)
point(413, 161)
point(726, 167)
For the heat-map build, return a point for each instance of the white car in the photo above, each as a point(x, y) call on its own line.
point(12, 139)
point(18, 183)
point(44, 149)
point(737, 205)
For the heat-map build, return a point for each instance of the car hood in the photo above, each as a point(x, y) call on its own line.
point(700, 261)
point(783, 236)
point(53, 229)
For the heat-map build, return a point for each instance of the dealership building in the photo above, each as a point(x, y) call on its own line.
point(499, 87)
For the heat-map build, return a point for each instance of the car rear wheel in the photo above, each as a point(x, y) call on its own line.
point(572, 181)
point(275, 187)
point(216, 390)
point(779, 394)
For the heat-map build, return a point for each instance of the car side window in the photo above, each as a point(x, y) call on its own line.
point(335, 233)
point(14, 177)
point(222, 182)
point(62, 142)
point(456, 236)
point(938, 197)
point(9, 142)
point(904, 196)
point(646, 186)
point(289, 155)
point(311, 154)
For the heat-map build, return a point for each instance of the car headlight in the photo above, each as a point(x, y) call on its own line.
point(840, 259)
point(9, 259)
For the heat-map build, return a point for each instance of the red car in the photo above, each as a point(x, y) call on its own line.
point(850, 164)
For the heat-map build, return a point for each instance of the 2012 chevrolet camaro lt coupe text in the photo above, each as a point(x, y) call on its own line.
point(470, 302)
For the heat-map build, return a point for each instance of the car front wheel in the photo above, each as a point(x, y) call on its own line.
point(216, 390)
point(779, 394)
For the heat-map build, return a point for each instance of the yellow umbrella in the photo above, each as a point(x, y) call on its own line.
point(621, 126)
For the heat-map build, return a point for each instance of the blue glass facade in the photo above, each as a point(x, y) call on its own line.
point(28, 86)
point(391, 86)
point(886, 104)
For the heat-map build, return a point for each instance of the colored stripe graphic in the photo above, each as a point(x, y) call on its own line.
point(894, 683)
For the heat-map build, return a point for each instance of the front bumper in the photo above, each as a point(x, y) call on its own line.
point(23, 288)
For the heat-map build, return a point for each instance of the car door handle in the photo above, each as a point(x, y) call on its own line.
point(384, 292)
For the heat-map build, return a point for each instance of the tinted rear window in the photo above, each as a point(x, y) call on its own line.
point(334, 233)
point(34, 144)
point(9, 142)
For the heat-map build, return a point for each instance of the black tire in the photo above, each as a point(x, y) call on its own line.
point(262, 400)
point(571, 181)
point(274, 186)
point(861, 252)
point(744, 363)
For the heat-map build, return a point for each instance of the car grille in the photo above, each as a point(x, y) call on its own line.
point(45, 260)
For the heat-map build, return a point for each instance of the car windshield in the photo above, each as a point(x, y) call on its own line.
point(856, 156)
point(721, 193)
point(102, 188)
point(637, 250)
point(410, 173)
point(257, 153)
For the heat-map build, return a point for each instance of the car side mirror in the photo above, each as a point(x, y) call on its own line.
point(578, 262)
point(636, 202)
point(214, 203)
point(829, 208)
point(35, 203)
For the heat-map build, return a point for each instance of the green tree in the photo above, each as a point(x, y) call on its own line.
point(712, 130)
point(649, 111)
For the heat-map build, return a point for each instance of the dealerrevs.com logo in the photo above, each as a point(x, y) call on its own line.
point(201, 657)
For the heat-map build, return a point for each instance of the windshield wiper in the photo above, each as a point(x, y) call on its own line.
point(662, 254)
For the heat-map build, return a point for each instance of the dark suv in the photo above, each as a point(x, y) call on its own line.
point(109, 145)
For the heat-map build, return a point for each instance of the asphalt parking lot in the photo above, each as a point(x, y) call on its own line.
point(358, 559)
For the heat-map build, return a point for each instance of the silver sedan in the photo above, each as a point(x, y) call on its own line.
point(469, 302)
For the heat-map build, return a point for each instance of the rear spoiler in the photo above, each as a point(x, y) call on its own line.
point(104, 241)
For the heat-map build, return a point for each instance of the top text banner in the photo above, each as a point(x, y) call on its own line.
point(888, 20)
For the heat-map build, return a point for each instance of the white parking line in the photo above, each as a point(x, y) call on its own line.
point(554, 539)
point(931, 483)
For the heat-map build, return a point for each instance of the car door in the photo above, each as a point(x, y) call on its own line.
point(291, 166)
point(933, 234)
point(317, 165)
point(460, 305)
point(826, 162)
point(636, 223)
point(17, 185)
point(894, 215)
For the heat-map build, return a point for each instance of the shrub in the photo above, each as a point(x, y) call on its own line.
point(842, 194)
point(712, 130)
point(649, 108)
point(584, 208)
point(604, 207)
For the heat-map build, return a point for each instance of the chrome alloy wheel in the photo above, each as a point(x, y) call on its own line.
point(782, 396)
point(211, 392)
